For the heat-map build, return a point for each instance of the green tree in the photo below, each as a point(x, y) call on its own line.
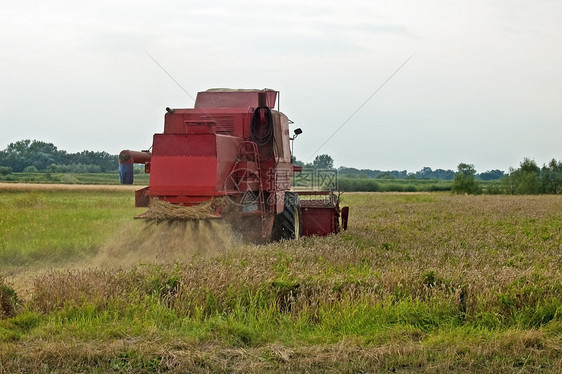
point(491, 175)
point(46, 156)
point(14, 155)
point(525, 180)
point(385, 175)
point(323, 162)
point(297, 162)
point(463, 181)
point(24, 153)
point(424, 173)
point(551, 177)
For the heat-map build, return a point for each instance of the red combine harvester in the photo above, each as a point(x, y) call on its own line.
point(233, 150)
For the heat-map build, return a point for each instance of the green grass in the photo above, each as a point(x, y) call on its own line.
point(71, 178)
point(51, 226)
point(344, 183)
point(409, 185)
point(392, 185)
point(426, 282)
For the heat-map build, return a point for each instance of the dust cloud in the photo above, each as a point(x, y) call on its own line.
point(165, 242)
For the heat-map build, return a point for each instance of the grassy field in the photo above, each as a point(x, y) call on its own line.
point(344, 183)
point(421, 282)
point(71, 178)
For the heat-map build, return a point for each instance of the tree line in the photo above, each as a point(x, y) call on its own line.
point(528, 179)
point(38, 156)
point(327, 162)
point(33, 156)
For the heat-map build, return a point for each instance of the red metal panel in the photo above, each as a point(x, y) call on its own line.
point(318, 220)
point(227, 152)
point(183, 145)
point(183, 165)
point(229, 121)
point(141, 199)
point(183, 175)
point(225, 98)
point(195, 164)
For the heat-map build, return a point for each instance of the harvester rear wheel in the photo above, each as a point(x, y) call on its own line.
point(288, 224)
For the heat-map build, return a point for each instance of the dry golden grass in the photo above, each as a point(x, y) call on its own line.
point(160, 210)
point(8, 300)
point(65, 187)
point(346, 356)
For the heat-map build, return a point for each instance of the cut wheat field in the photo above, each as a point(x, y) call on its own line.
point(421, 282)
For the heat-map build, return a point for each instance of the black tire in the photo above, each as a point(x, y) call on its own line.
point(288, 224)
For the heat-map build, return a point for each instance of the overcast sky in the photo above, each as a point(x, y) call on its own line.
point(484, 86)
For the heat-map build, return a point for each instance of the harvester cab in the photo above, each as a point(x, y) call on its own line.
point(230, 157)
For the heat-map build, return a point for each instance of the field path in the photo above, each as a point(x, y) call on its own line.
point(66, 187)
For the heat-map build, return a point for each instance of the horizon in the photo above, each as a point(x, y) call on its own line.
point(478, 171)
